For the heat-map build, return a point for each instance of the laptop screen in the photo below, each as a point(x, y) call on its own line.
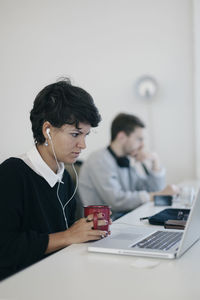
point(192, 229)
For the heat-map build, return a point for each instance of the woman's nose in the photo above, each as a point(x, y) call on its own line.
point(82, 143)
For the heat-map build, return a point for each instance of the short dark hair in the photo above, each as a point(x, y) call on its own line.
point(62, 103)
point(126, 123)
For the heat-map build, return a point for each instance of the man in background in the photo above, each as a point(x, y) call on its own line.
point(108, 176)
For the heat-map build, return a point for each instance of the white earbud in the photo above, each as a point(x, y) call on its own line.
point(48, 133)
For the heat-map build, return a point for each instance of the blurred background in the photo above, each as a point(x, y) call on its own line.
point(105, 46)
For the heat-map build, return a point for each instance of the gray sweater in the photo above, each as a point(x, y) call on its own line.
point(103, 182)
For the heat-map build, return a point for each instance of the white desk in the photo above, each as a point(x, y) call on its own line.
point(74, 274)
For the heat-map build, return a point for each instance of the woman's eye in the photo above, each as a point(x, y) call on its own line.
point(74, 134)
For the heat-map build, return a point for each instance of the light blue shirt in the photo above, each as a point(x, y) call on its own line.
point(103, 182)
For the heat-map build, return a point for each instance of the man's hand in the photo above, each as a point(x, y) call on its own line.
point(171, 189)
point(151, 158)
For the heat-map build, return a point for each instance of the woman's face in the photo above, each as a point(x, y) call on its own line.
point(68, 142)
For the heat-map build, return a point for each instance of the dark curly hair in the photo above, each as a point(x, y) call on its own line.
point(62, 103)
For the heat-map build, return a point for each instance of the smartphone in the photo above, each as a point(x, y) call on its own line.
point(164, 200)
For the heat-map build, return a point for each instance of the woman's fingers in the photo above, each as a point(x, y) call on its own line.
point(90, 224)
point(97, 233)
point(91, 217)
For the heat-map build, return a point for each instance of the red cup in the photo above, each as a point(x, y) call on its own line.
point(95, 210)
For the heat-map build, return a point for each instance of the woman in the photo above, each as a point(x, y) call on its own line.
point(37, 206)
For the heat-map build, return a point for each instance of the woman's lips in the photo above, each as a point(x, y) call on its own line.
point(76, 153)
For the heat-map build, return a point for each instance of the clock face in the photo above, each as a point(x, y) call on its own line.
point(146, 87)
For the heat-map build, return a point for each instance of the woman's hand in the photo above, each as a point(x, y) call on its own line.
point(82, 230)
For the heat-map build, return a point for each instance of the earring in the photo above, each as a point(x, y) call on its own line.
point(46, 143)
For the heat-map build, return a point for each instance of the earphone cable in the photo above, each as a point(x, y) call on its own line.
point(75, 186)
point(76, 176)
point(52, 146)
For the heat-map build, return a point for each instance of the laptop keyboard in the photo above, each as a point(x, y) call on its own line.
point(162, 240)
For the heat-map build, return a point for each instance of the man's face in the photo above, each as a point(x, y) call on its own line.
point(134, 142)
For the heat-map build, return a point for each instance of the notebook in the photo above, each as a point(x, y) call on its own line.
point(145, 241)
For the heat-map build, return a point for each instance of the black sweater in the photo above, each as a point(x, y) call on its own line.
point(29, 211)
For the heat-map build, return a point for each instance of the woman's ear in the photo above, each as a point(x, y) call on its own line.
point(46, 130)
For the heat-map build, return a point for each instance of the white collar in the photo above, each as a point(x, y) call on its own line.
point(34, 160)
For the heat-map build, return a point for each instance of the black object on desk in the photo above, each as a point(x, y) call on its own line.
point(163, 200)
point(168, 214)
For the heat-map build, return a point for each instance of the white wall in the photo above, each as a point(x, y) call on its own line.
point(104, 46)
point(196, 9)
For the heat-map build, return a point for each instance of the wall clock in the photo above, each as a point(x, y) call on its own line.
point(146, 87)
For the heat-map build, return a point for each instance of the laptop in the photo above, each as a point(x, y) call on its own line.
point(144, 241)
